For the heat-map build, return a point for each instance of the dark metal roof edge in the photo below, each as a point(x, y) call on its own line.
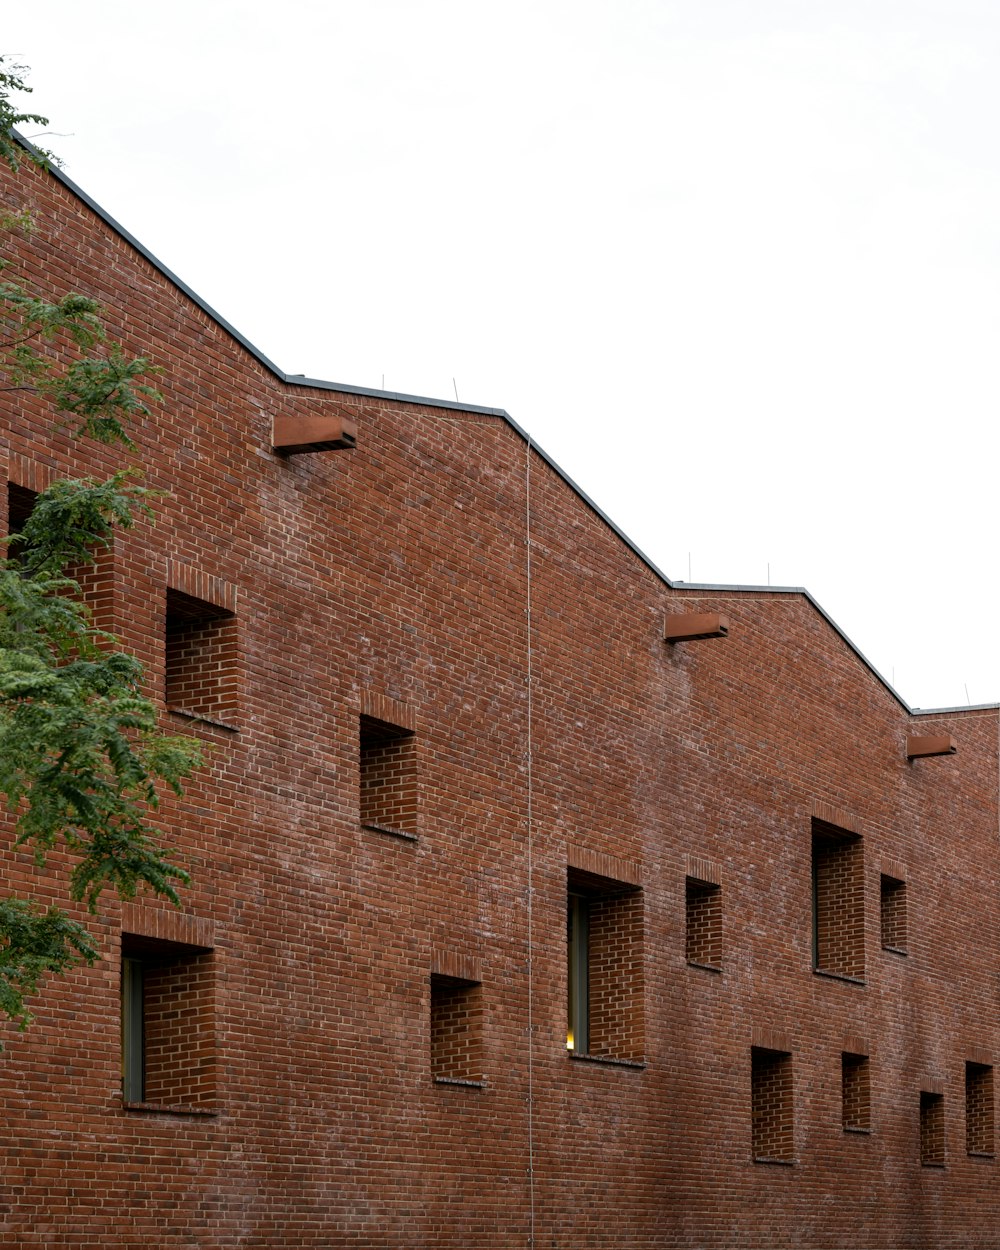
point(290, 379)
point(401, 397)
point(954, 711)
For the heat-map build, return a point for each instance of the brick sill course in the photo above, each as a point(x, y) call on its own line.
point(838, 976)
point(895, 950)
point(781, 1163)
point(392, 833)
point(615, 1063)
point(854, 1128)
point(932, 1165)
point(693, 963)
point(202, 720)
point(981, 1154)
point(454, 1080)
point(158, 1108)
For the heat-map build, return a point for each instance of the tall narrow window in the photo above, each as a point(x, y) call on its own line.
point(855, 1093)
point(771, 1106)
point(703, 923)
point(456, 1030)
point(931, 1129)
point(604, 968)
point(201, 659)
point(133, 1032)
point(167, 1023)
point(388, 777)
point(838, 901)
point(979, 1109)
point(892, 900)
point(578, 973)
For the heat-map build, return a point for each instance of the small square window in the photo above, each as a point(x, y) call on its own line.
point(771, 1106)
point(388, 777)
point(202, 659)
point(855, 1092)
point(456, 1030)
point(167, 1023)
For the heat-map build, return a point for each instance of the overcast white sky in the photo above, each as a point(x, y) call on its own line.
point(735, 264)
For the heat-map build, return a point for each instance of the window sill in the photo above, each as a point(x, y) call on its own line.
point(838, 976)
point(693, 963)
point(988, 1155)
point(854, 1128)
point(781, 1163)
point(580, 1057)
point(156, 1108)
point(454, 1080)
point(202, 720)
point(895, 950)
point(940, 1166)
point(390, 832)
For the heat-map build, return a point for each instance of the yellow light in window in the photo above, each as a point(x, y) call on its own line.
point(569, 1041)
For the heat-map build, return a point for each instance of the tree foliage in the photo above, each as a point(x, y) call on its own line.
point(81, 758)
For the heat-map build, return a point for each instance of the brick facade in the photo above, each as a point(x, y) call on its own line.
point(439, 705)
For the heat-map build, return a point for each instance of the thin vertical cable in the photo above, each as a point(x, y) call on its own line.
point(530, 849)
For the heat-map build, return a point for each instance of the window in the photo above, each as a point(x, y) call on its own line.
point(167, 1023)
point(604, 968)
point(838, 901)
point(20, 502)
point(892, 898)
point(855, 1093)
point(703, 923)
point(388, 777)
point(771, 1105)
point(456, 1030)
point(931, 1129)
point(979, 1109)
point(201, 659)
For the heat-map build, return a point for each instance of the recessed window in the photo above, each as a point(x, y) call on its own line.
point(771, 1106)
point(388, 777)
point(20, 502)
point(456, 1030)
point(979, 1109)
point(838, 901)
point(931, 1129)
point(202, 659)
point(855, 1092)
point(167, 1023)
point(892, 902)
point(604, 968)
point(703, 923)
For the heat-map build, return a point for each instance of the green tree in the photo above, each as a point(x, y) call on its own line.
point(81, 758)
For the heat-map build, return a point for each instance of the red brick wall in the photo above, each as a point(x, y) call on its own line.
point(401, 568)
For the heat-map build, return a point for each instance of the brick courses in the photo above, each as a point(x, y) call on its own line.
point(389, 585)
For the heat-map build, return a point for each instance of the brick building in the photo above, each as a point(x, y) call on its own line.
point(538, 901)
